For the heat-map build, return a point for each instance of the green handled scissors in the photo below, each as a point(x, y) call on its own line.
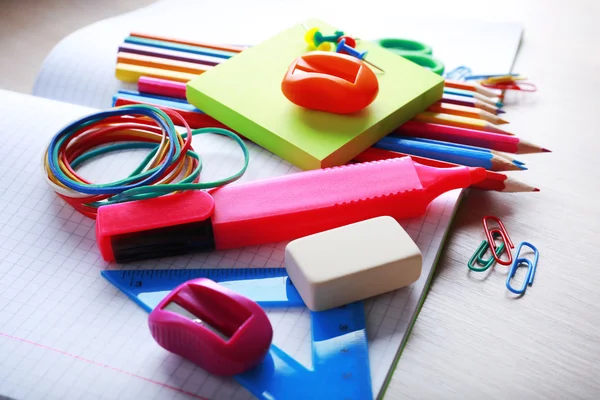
point(417, 52)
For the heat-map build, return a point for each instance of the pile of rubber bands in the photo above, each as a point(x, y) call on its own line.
point(171, 166)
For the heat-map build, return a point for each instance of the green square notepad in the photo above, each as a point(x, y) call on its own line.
point(244, 93)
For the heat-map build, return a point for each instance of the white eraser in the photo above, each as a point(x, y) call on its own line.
point(353, 262)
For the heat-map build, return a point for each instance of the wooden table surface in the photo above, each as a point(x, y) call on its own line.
point(473, 339)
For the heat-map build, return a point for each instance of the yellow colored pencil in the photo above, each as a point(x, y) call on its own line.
point(466, 111)
point(459, 121)
point(131, 73)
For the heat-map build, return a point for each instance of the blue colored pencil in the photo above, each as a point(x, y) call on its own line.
point(151, 95)
point(494, 101)
point(155, 100)
point(457, 154)
point(465, 146)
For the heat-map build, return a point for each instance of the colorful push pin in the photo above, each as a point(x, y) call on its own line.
point(312, 38)
point(342, 47)
point(349, 42)
point(315, 39)
point(333, 38)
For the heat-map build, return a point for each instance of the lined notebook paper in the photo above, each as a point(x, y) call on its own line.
point(66, 333)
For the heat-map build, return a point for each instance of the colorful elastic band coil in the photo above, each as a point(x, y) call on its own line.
point(171, 166)
point(477, 256)
point(531, 268)
point(503, 235)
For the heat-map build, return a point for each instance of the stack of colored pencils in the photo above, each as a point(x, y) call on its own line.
point(466, 127)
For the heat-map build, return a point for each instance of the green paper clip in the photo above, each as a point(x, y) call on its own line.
point(477, 256)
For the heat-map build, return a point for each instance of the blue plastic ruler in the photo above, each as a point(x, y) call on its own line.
point(340, 356)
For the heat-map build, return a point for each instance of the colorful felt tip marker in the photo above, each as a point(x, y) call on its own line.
point(495, 181)
point(273, 210)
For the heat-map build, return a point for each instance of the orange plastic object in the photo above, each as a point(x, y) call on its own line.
point(330, 82)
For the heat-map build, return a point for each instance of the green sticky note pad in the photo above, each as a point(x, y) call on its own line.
point(244, 93)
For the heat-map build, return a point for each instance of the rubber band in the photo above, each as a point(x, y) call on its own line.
point(171, 165)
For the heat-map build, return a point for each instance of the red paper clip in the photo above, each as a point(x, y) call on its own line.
point(508, 244)
point(511, 85)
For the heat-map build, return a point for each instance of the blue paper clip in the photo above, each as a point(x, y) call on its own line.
point(531, 267)
point(459, 73)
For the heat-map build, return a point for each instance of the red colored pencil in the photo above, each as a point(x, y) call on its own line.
point(471, 137)
point(495, 181)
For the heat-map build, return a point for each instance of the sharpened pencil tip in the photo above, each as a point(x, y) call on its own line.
point(536, 189)
point(500, 111)
point(546, 150)
point(520, 165)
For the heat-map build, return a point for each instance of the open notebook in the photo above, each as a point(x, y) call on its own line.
point(65, 332)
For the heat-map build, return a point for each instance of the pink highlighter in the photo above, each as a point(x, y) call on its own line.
point(273, 210)
point(214, 327)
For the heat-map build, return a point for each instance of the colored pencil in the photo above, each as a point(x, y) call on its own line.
point(470, 102)
point(472, 86)
point(161, 87)
point(180, 47)
point(459, 121)
point(493, 141)
point(233, 49)
point(166, 100)
point(170, 54)
point(194, 117)
point(494, 101)
point(132, 73)
point(466, 111)
point(495, 181)
point(161, 63)
point(453, 154)
point(449, 145)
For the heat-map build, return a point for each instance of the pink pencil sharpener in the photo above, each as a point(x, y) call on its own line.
point(212, 326)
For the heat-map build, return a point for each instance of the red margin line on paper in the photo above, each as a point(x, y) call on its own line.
point(103, 365)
